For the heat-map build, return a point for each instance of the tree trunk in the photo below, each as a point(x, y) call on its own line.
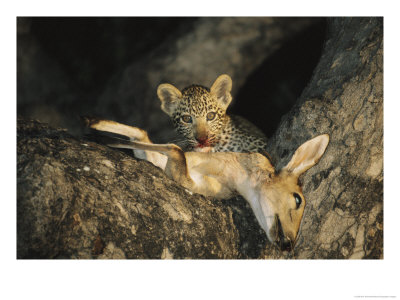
point(344, 214)
point(197, 53)
point(79, 199)
point(235, 45)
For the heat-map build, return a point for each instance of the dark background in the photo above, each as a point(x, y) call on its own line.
point(67, 65)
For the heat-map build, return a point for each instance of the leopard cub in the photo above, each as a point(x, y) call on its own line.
point(199, 114)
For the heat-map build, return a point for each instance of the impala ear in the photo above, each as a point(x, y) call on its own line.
point(169, 97)
point(307, 155)
point(221, 88)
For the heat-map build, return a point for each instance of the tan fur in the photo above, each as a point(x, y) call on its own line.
point(133, 133)
point(200, 118)
point(221, 89)
point(270, 194)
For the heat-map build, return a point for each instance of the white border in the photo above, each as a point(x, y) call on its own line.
point(197, 279)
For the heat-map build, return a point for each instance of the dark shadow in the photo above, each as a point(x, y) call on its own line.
point(252, 238)
point(92, 49)
point(273, 88)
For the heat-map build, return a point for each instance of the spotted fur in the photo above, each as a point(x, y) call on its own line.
point(199, 115)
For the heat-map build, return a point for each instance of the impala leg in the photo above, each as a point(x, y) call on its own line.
point(134, 134)
point(176, 165)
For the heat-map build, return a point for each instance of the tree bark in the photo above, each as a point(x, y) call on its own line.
point(344, 214)
point(78, 199)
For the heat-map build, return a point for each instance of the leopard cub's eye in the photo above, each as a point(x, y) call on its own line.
point(187, 119)
point(211, 116)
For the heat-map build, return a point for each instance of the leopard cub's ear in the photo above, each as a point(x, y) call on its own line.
point(169, 97)
point(221, 88)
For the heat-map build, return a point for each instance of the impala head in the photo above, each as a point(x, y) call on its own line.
point(198, 113)
point(281, 199)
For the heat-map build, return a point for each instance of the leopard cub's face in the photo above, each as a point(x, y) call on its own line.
point(197, 112)
point(199, 117)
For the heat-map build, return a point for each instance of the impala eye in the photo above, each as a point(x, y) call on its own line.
point(187, 119)
point(298, 200)
point(210, 116)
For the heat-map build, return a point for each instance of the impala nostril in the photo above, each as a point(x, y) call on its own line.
point(286, 245)
point(283, 241)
